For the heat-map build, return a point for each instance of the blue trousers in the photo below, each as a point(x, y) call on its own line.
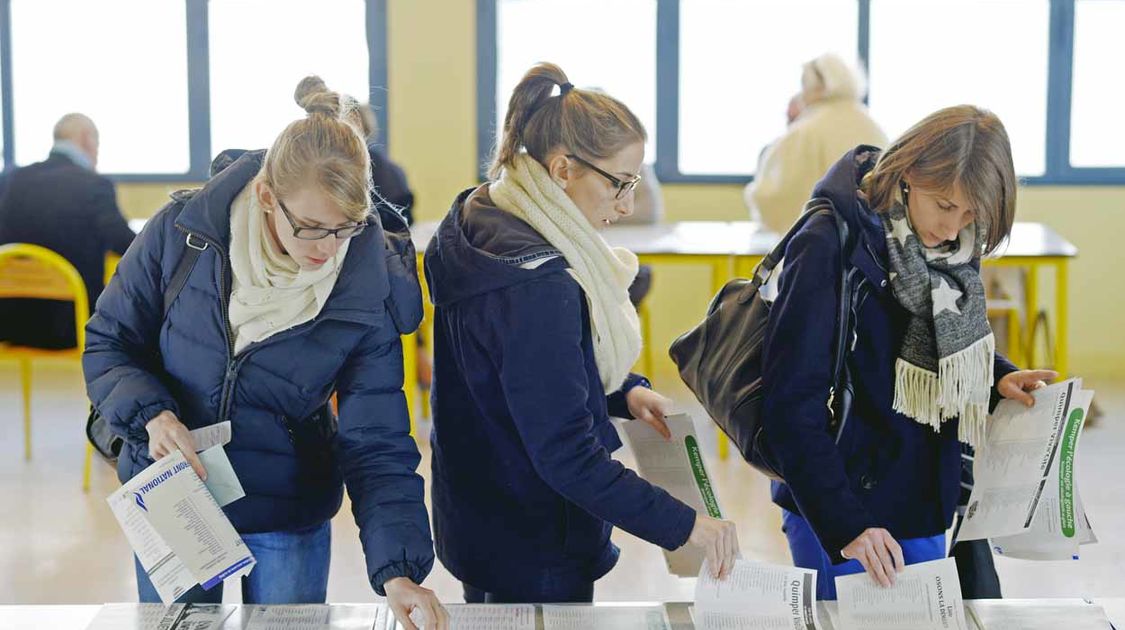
point(292, 568)
point(808, 554)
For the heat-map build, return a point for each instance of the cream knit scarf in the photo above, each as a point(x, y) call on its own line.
point(527, 191)
point(271, 292)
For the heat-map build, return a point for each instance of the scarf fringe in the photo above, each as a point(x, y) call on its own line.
point(958, 390)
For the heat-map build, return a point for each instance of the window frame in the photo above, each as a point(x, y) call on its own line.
point(1057, 170)
point(199, 89)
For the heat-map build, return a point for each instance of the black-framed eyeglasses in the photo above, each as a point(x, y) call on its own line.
point(317, 233)
point(623, 185)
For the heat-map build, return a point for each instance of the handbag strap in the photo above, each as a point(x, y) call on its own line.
point(183, 270)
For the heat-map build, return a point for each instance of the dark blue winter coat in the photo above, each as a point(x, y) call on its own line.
point(523, 481)
point(286, 454)
point(888, 470)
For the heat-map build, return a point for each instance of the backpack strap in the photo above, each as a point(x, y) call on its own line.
point(195, 247)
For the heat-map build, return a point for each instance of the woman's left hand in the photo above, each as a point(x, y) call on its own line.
point(650, 408)
point(414, 606)
point(1017, 384)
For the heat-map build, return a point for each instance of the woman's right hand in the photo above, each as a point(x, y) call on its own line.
point(878, 552)
point(166, 433)
point(719, 542)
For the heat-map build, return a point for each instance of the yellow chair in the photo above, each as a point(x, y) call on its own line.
point(31, 271)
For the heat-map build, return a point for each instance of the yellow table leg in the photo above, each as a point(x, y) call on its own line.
point(645, 316)
point(1032, 312)
point(410, 376)
point(86, 467)
point(25, 383)
point(1062, 318)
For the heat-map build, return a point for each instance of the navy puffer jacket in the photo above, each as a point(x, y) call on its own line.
point(290, 458)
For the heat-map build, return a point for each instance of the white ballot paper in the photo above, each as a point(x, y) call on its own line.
point(676, 466)
point(211, 436)
point(322, 617)
point(160, 617)
point(581, 617)
point(178, 531)
point(1060, 525)
point(757, 596)
point(925, 596)
point(1024, 495)
point(1016, 614)
point(491, 617)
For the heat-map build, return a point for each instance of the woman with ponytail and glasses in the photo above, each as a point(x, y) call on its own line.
point(534, 336)
point(290, 300)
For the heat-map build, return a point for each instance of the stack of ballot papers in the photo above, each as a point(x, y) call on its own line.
point(175, 523)
point(757, 596)
point(616, 617)
point(1025, 497)
point(322, 617)
point(159, 617)
point(677, 467)
point(925, 596)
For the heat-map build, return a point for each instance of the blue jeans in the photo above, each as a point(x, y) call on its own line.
point(808, 554)
point(292, 568)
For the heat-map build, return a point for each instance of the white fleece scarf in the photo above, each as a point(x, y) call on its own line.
point(526, 190)
point(271, 292)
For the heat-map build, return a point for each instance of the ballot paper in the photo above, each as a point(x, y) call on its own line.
point(1059, 526)
point(676, 466)
point(584, 617)
point(1026, 464)
point(159, 617)
point(178, 531)
point(491, 617)
point(221, 481)
point(322, 617)
point(1015, 614)
point(925, 596)
point(211, 436)
point(757, 596)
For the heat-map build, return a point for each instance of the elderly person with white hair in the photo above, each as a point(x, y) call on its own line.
point(832, 120)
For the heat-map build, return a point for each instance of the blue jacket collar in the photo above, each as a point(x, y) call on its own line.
point(868, 239)
point(482, 249)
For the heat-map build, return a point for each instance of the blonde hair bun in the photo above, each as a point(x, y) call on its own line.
point(315, 98)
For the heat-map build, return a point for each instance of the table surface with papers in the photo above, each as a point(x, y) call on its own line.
point(1048, 613)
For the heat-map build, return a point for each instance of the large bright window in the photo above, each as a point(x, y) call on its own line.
point(261, 49)
point(740, 62)
point(121, 62)
point(929, 54)
point(598, 44)
point(1097, 127)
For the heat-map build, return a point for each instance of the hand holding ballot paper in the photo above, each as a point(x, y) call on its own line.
point(175, 523)
point(677, 466)
point(757, 596)
point(1025, 497)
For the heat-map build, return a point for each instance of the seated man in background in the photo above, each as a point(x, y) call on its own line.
point(64, 205)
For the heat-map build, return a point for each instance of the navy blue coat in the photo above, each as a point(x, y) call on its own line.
point(888, 470)
point(138, 364)
point(72, 211)
point(523, 482)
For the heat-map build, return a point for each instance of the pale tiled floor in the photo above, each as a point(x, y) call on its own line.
point(59, 545)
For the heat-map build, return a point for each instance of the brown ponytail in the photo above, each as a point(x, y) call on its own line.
point(591, 124)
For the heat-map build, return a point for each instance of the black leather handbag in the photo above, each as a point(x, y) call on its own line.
point(720, 360)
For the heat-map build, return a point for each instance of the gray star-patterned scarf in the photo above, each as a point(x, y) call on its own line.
point(944, 369)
